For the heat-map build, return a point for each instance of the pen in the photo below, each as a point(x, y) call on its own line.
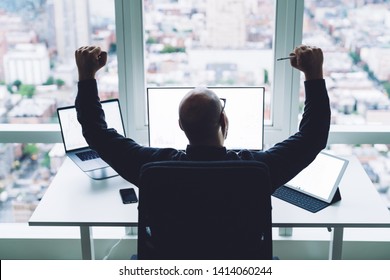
point(284, 58)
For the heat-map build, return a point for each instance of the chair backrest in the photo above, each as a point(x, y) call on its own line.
point(204, 210)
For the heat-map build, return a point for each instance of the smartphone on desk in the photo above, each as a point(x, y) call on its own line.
point(128, 196)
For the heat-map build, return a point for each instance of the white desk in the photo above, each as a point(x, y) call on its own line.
point(360, 207)
point(73, 199)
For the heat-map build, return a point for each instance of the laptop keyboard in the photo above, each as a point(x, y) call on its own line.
point(87, 155)
point(300, 199)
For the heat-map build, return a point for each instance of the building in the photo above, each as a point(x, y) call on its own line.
point(378, 61)
point(8, 24)
point(72, 27)
point(32, 110)
point(226, 24)
point(29, 63)
point(6, 159)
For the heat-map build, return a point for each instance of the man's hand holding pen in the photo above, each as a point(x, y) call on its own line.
point(308, 59)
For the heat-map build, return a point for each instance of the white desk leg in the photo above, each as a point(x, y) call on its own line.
point(87, 249)
point(336, 244)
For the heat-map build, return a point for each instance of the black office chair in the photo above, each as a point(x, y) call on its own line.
point(204, 210)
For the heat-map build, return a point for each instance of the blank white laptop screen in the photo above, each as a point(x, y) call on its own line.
point(244, 108)
point(71, 128)
point(321, 178)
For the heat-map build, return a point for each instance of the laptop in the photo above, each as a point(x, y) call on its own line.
point(77, 149)
point(244, 108)
point(316, 186)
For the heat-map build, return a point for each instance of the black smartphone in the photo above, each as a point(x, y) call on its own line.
point(128, 196)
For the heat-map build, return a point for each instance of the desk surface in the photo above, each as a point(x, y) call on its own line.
point(73, 199)
point(360, 205)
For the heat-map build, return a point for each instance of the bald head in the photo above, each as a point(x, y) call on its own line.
point(200, 117)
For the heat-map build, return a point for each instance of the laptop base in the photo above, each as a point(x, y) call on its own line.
point(102, 173)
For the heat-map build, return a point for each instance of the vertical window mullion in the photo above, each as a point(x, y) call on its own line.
point(288, 34)
point(130, 51)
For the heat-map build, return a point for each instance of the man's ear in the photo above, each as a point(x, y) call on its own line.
point(181, 126)
point(224, 121)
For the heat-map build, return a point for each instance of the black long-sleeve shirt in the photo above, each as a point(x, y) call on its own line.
point(284, 160)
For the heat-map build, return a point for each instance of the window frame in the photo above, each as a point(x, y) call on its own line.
point(288, 30)
point(130, 48)
point(288, 19)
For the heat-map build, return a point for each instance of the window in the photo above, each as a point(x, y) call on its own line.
point(37, 75)
point(59, 27)
point(180, 51)
point(355, 39)
point(26, 170)
point(38, 72)
point(181, 42)
point(357, 53)
point(212, 43)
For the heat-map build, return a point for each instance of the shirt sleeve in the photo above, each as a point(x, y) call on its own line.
point(289, 157)
point(125, 155)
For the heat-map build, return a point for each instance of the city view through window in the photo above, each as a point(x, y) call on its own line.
point(187, 43)
point(210, 43)
point(37, 75)
point(355, 38)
